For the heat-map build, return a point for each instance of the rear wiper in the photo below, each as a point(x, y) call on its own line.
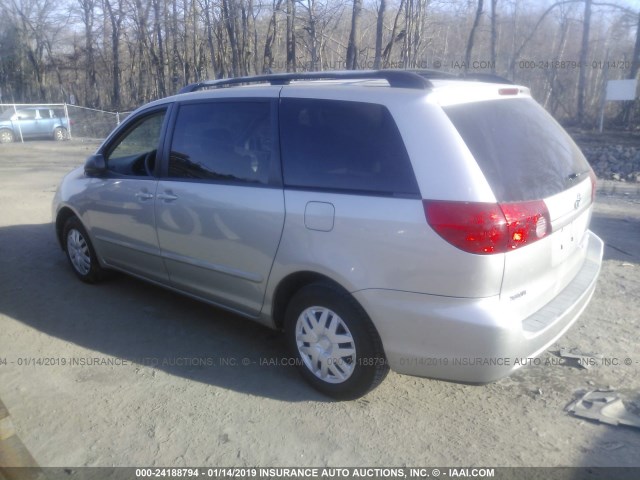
point(577, 175)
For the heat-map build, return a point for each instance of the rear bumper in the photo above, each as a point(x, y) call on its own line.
point(474, 340)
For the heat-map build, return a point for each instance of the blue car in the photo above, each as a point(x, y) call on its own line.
point(33, 122)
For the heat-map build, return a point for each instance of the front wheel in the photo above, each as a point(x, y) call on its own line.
point(337, 348)
point(80, 253)
point(6, 136)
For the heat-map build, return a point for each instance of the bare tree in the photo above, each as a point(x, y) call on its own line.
point(352, 47)
point(584, 55)
point(494, 34)
point(87, 12)
point(635, 61)
point(291, 36)
point(272, 32)
point(210, 33)
point(311, 27)
point(120, 53)
point(377, 61)
point(472, 34)
point(229, 16)
point(395, 36)
point(552, 98)
point(627, 111)
point(414, 24)
point(115, 11)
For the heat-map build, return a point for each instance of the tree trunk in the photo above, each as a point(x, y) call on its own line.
point(472, 34)
point(494, 34)
point(352, 47)
point(209, 29)
point(627, 112)
point(313, 38)
point(553, 74)
point(159, 59)
point(377, 61)
point(584, 55)
point(175, 56)
point(272, 33)
point(229, 14)
point(115, 19)
point(635, 62)
point(91, 97)
point(386, 54)
point(291, 36)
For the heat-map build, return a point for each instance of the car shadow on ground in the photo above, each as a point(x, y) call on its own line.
point(143, 324)
point(620, 235)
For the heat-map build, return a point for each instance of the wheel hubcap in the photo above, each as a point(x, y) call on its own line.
point(78, 250)
point(325, 344)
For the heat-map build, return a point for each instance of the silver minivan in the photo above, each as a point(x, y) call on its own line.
point(429, 224)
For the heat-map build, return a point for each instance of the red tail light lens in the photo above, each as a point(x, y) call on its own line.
point(526, 221)
point(486, 228)
point(472, 227)
point(508, 91)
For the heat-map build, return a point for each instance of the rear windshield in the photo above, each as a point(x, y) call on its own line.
point(522, 151)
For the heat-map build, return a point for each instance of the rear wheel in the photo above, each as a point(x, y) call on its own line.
point(60, 134)
point(80, 252)
point(6, 136)
point(337, 348)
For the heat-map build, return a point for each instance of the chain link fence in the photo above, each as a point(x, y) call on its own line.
point(92, 123)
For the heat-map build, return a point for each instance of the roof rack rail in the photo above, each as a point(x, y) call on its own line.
point(479, 76)
point(485, 77)
point(433, 74)
point(396, 79)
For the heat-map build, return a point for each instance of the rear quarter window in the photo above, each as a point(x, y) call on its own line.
point(343, 146)
point(522, 151)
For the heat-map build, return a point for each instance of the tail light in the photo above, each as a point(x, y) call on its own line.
point(508, 91)
point(487, 228)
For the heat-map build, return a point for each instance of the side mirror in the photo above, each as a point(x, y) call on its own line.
point(95, 166)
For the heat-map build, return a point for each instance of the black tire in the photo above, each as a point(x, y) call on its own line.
point(346, 375)
point(80, 252)
point(7, 136)
point(60, 134)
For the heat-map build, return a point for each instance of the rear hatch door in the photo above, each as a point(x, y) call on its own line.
point(525, 156)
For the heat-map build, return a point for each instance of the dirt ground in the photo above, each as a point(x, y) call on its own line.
point(154, 409)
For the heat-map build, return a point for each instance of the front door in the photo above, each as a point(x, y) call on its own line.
point(121, 212)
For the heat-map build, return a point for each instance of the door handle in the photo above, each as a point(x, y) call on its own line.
point(167, 197)
point(144, 196)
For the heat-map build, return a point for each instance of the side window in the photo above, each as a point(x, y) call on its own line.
point(134, 153)
point(26, 115)
point(221, 141)
point(344, 146)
